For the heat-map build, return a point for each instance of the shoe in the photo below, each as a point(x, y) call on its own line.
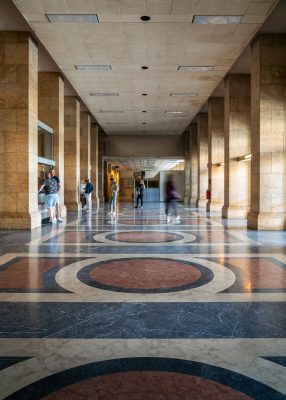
point(168, 219)
point(84, 208)
point(54, 221)
point(110, 212)
point(178, 218)
point(87, 210)
point(60, 219)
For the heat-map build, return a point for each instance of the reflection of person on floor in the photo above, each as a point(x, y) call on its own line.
point(140, 193)
point(113, 194)
point(88, 193)
point(171, 198)
point(49, 186)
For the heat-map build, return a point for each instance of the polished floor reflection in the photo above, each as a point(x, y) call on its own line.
point(133, 307)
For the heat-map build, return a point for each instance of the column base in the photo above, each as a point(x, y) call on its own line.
point(193, 201)
point(215, 206)
point(234, 212)
point(95, 201)
point(266, 221)
point(20, 220)
point(63, 210)
point(73, 206)
point(201, 203)
point(186, 200)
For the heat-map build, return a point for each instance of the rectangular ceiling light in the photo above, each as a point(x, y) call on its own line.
point(73, 18)
point(93, 67)
point(175, 112)
point(104, 94)
point(111, 111)
point(184, 94)
point(217, 19)
point(193, 68)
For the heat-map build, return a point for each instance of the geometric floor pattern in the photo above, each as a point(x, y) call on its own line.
point(130, 307)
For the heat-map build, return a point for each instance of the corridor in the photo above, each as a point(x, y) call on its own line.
point(134, 308)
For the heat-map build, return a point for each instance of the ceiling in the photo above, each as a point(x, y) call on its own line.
point(168, 40)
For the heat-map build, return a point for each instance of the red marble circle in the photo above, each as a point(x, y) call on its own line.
point(145, 273)
point(147, 385)
point(145, 237)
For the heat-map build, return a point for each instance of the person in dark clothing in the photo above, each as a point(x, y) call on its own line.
point(171, 198)
point(140, 193)
point(88, 193)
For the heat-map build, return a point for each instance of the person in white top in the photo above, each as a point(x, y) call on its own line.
point(113, 198)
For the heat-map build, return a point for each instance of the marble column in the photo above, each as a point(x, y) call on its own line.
point(194, 164)
point(51, 112)
point(216, 153)
point(84, 145)
point(268, 132)
point(19, 133)
point(72, 153)
point(237, 129)
point(202, 121)
point(187, 147)
point(100, 167)
point(94, 161)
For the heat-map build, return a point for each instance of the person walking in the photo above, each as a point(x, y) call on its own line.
point(171, 198)
point(88, 193)
point(140, 193)
point(58, 208)
point(114, 194)
point(49, 186)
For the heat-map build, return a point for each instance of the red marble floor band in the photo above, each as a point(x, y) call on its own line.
point(147, 385)
point(145, 273)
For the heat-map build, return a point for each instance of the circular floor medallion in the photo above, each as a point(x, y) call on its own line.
point(144, 237)
point(145, 275)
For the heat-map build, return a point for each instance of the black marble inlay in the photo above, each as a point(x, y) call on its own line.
point(250, 387)
point(143, 320)
point(277, 360)
point(6, 362)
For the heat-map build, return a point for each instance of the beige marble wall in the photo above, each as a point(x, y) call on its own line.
point(19, 134)
point(194, 164)
point(237, 129)
point(268, 137)
point(202, 122)
point(72, 153)
point(94, 161)
point(100, 167)
point(51, 112)
point(216, 153)
point(187, 147)
point(85, 125)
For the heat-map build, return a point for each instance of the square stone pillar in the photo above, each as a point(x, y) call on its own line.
point(194, 164)
point(85, 124)
point(19, 132)
point(100, 167)
point(187, 147)
point(202, 121)
point(72, 153)
point(216, 153)
point(237, 130)
point(268, 132)
point(51, 112)
point(94, 162)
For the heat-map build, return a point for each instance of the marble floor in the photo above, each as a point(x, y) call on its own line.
point(130, 307)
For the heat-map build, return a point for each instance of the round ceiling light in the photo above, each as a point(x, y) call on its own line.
point(144, 111)
point(145, 18)
point(144, 67)
point(144, 94)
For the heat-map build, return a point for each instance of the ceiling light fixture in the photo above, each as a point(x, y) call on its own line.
point(73, 18)
point(217, 19)
point(144, 67)
point(184, 94)
point(93, 67)
point(145, 18)
point(144, 94)
point(175, 112)
point(144, 111)
point(104, 94)
point(195, 68)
